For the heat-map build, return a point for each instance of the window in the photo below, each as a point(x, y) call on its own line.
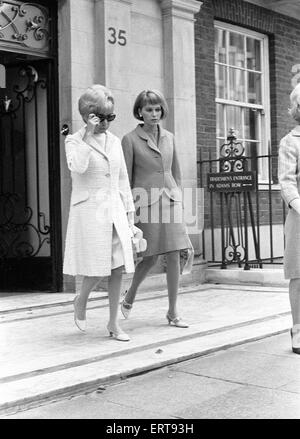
point(242, 92)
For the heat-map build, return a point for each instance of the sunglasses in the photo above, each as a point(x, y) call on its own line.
point(108, 117)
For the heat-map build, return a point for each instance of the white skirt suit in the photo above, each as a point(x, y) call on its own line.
point(289, 179)
point(98, 236)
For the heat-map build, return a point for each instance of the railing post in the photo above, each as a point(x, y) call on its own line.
point(247, 266)
point(201, 186)
point(223, 266)
point(211, 201)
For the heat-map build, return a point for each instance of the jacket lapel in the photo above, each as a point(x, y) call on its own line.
point(162, 134)
point(144, 136)
point(109, 145)
point(95, 145)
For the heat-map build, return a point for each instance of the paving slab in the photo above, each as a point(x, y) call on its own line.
point(247, 403)
point(171, 391)
point(272, 346)
point(250, 367)
point(94, 408)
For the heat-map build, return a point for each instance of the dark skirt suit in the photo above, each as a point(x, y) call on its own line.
point(155, 179)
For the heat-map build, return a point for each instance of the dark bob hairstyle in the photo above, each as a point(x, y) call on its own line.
point(152, 97)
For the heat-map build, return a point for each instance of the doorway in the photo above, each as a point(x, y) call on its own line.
point(30, 235)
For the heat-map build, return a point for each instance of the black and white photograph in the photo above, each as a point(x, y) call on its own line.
point(150, 213)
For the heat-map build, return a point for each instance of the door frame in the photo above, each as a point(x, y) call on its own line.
point(54, 176)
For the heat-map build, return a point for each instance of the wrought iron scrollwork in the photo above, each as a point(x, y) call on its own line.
point(25, 25)
point(234, 206)
point(23, 229)
point(22, 93)
point(231, 154)
point(234, 250)
point(14, 242)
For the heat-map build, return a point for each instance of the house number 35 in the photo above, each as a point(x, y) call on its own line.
point(117, 36)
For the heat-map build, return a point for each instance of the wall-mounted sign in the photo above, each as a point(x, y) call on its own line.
point(117, 36)
point(231, 181)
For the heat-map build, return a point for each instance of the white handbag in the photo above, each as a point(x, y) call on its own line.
point(139, 243)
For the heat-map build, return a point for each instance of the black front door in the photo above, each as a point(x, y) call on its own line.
point(30, 244)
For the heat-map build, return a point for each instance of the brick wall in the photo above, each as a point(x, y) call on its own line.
point(284, 53)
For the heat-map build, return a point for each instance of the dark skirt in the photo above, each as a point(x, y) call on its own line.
point(163, 227)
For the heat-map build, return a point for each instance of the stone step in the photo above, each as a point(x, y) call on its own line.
point(44, 386)
point(254, 276)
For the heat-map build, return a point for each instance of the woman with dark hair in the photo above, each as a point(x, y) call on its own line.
point(98, 240)
point(154, 174)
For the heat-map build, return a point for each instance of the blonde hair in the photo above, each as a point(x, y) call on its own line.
point(152, 97)
point(95, 99)
point(294, 111)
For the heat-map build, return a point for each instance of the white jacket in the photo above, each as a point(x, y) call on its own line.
point(100, 198)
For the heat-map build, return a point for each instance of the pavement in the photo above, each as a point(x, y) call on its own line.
point(255, 380)
point(44, 357)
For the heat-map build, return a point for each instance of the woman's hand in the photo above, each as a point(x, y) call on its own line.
point(91, 125)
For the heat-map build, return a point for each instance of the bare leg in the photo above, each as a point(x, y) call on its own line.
point(140, 273)
point(88, 283)
point(173, 273)
point(294, 293)
point(114, 289)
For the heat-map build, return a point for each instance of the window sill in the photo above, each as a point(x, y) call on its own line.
point(263, 186)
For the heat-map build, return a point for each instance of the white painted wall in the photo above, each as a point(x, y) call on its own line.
point(138, 65)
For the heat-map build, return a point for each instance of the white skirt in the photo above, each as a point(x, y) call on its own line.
point(117, 258)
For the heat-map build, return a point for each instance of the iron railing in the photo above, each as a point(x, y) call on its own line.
point(243, 228)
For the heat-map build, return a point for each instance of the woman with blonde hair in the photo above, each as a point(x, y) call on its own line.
point(289, 179)
point(154, 173)
point(98, 240)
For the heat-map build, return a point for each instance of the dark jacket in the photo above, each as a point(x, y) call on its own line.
point(152, 169)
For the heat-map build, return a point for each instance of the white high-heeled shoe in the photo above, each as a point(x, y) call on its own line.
point(177, 321)
point(118, 334)
point(125, 307)
point(81, 324)
point(295, 340)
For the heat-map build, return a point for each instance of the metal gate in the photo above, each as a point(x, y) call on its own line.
point(29, 178)
point(241, 227)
